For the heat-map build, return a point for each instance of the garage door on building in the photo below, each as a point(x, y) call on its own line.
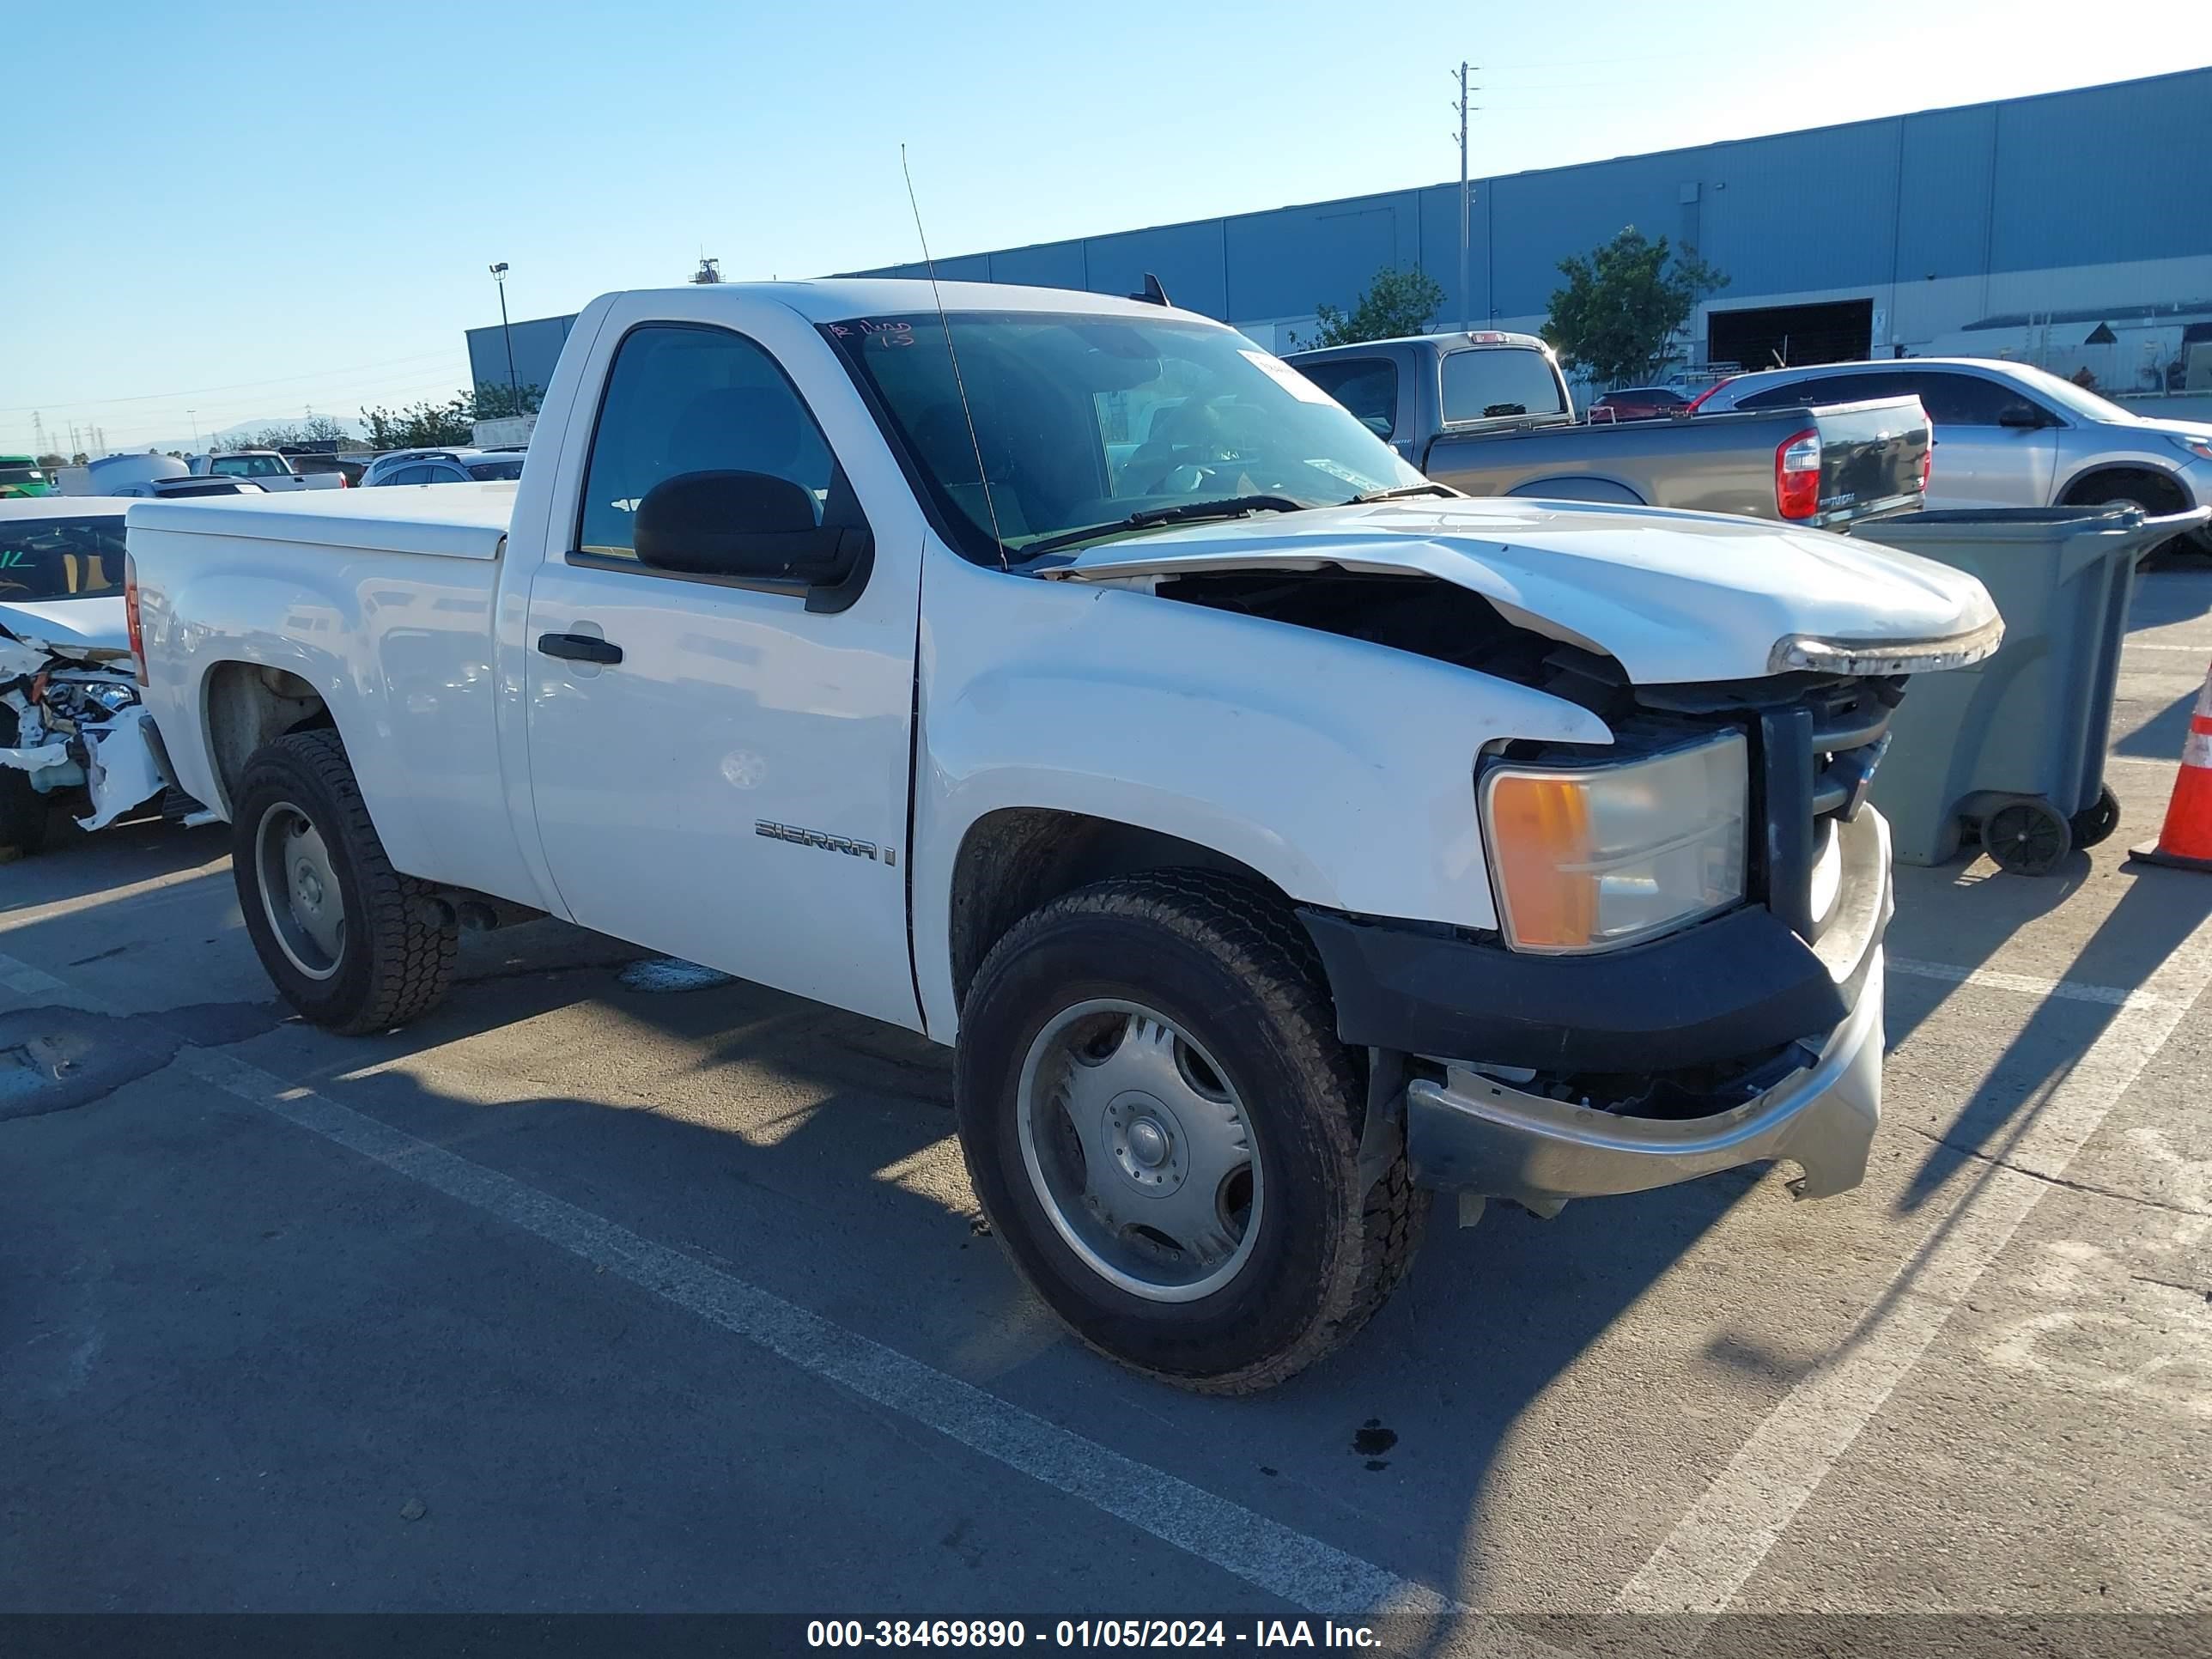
point(1790, 336)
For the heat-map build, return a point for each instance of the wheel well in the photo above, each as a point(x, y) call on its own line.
point(2159, 491)
point(1604, 490)
point(249, 705)
point(1015, 859)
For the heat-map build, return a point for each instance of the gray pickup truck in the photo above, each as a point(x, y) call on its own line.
point(1488, 412)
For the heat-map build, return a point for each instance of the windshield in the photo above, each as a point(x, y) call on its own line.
point(72, 558)
point(1084, 420)
point(2069, 397)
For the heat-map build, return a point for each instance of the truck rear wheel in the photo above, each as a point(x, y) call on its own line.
point(352, 943)
point(1164, 1132)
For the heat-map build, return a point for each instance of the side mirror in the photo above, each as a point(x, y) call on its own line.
point(2024, 416)
point(751, 526)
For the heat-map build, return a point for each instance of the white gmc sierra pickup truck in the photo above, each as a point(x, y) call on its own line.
point(1279, 837)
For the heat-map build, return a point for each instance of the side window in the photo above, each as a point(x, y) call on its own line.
point(682, 400)
point(408, 475)
point(1963, 400)
point(267, 466)
point(1773, 397)
point(442, 474)
point(1368, 386)
point(232, 466)
point(1827, 389)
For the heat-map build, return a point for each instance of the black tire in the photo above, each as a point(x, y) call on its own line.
point(2097, 821)
point(2027, 837)
point(396, 958)
point(1219, 958)
point(24, 812)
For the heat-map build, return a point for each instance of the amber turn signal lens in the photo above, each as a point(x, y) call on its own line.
point(1540, 829)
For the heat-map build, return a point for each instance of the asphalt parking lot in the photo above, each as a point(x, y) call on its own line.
point(586, 1295)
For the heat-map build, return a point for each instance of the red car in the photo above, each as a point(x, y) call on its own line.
point(1638, 402)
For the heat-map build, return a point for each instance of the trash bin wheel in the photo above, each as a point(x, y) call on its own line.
point(2027, 837)
point(2096, 822)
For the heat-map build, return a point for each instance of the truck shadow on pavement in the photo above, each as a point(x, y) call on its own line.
point(808, 1152)
point(835, 1183)
point(2157, 913)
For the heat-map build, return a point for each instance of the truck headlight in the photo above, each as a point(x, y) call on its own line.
point(1598, 857)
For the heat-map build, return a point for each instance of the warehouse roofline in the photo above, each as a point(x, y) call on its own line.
point(2202, 73)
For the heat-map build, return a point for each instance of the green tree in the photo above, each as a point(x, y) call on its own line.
point(316, 428)
point(494, 400)
point(425, 425)
point(1397, 302)
point(1616, 318)
point(443, 426)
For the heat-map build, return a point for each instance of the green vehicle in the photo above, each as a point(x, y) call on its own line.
point(21, 475)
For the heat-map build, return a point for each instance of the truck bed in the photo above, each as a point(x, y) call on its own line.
point(446, 521)
point(389, 592)
point(1870, 461)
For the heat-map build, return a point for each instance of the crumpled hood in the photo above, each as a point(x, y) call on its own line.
point(1672, 597)
point(71, 626)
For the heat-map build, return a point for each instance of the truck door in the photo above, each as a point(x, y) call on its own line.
point(718, 771)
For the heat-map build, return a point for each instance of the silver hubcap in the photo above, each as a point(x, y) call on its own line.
point(1139, 1151)
point(300, 890)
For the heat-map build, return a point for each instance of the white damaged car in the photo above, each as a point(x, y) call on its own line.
point(73, 732)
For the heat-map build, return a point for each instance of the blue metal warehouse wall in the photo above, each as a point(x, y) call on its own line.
point(2094, 199)
point(2100, 177)
point(538, 345)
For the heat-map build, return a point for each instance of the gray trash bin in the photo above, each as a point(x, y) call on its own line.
point(2012, 750)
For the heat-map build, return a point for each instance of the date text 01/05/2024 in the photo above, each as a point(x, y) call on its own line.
point(1002, 1633)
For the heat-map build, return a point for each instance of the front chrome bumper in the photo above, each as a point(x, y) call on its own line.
point(1474, 1134)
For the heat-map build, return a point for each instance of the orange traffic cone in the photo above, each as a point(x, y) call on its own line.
point(2185, 843)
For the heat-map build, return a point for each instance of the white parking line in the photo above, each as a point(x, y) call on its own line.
point(1302, 1570)
point(146, 892)
point(2204, 651)
point(2033, 984)
point(1718, 1544)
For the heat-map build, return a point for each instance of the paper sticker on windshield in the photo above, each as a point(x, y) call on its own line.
point(1338, 469)
point(1286, 377)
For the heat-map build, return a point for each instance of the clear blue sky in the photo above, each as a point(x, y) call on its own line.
point(247, 210)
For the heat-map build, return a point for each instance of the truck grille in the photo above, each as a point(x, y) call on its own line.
point(1816, 741)
point(1817, 757)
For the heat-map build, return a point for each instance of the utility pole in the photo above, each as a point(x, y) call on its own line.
point(513, 386)
point(195, 414)
point(1466, 213)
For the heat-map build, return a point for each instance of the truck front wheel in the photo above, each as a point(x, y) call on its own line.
point(348, 941)
point(1164, 1132)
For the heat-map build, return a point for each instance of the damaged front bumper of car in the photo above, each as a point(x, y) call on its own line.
point(1736, 1043)
point(80, 734)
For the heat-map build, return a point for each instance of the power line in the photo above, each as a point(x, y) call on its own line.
point(235, 385)
point(254, 407)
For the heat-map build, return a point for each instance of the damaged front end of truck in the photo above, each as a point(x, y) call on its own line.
point(73, 734)
point(1683, 969)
